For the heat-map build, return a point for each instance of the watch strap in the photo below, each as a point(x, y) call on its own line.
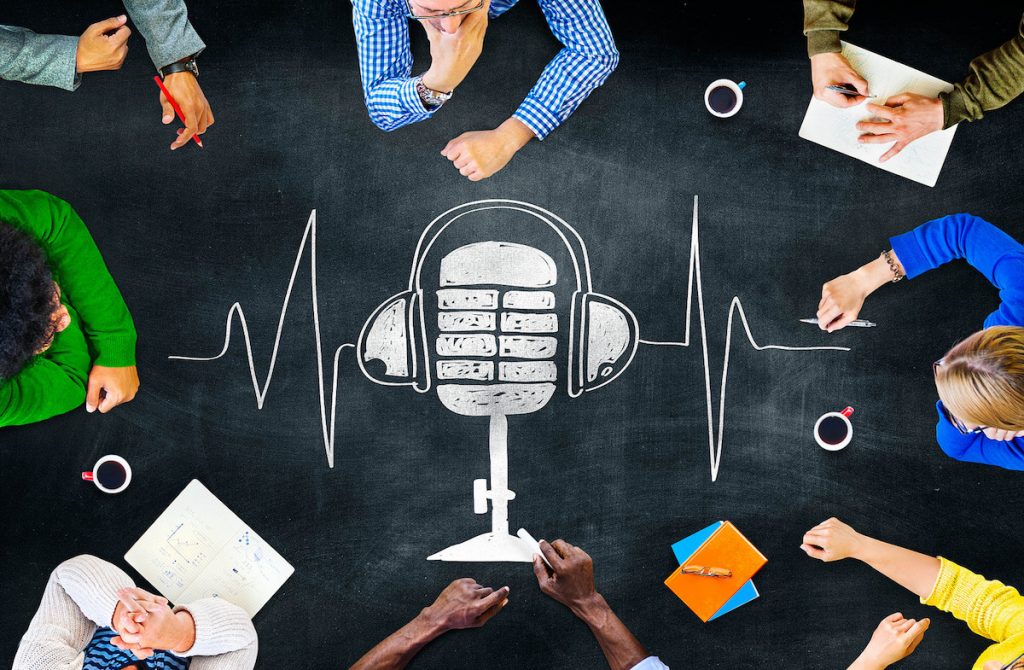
point(184, 65)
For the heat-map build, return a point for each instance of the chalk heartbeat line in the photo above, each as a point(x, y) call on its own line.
point(308, 237)
point(735, 307)
point(328, 410)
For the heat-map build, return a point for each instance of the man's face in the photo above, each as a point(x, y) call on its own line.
point(446, 24)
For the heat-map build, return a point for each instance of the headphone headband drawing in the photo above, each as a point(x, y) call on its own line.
point(398, 324)
point(565, 232)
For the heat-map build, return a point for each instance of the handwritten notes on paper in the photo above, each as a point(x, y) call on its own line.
point(835, 128)
point(198, 548)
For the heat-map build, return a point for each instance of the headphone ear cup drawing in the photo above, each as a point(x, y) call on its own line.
point(602, 342)
point(394, 336)
point(603, 336)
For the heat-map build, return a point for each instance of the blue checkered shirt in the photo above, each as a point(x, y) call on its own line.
point(385, 62)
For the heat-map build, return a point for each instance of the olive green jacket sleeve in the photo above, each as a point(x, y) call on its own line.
point(995, 78)
point(823, 21)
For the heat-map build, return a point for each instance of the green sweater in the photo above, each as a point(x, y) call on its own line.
point(994, 78)
point(101, 330)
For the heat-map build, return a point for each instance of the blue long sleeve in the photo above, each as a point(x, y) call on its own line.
point(1001, 259)
point(385, 64)
point(977, 448)
point(991, 251)
point(588, 58)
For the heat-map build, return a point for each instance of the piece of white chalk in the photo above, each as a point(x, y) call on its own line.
point(534, 545)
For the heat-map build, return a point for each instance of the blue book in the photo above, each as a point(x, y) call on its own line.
point(685, 548)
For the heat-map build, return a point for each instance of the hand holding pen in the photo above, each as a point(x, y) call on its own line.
point(836, 82)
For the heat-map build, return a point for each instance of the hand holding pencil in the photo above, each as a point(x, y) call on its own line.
point(181, 94)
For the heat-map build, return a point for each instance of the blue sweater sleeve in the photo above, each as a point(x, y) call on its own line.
point(976, 448)
point(991, 251)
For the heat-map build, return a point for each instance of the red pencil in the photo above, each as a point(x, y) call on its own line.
point(174, 104)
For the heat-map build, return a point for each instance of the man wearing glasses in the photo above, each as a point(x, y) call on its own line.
point(455, 28)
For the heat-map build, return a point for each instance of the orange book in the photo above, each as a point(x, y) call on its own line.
point(726, 549)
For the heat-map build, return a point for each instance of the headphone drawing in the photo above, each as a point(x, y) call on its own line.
point(603, 334)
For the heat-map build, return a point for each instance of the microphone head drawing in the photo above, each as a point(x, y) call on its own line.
point(500, 316)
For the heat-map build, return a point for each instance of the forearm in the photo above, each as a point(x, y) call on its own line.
point(565, 83)
point(165, 26)
point(89, 287)
point(912, 570)
point(52, 384)
point(620, 648)
point(864, 663)
point(217, 627)
point(823, 21)
point(47, 60)
point(876, 274)
point(994, 79)
point(395, 651)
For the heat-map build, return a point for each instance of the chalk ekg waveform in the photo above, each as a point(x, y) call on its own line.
point(328, 410)
point(694, 279)
point(327, 424)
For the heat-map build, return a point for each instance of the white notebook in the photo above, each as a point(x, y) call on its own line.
point(835, 128)
point(198, 548)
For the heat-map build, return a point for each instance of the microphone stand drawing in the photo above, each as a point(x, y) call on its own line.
point(496, 347)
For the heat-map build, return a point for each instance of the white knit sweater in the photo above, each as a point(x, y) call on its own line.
point(81, 596)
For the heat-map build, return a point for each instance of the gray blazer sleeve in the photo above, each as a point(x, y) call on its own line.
point(165, 26)
point(48, 60)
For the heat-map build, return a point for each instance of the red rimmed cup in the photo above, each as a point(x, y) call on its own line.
point(111, 474)
point(833, 431)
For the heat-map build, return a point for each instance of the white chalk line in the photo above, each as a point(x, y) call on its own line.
point(328, 426)
point(695, 279)
point(309, 235)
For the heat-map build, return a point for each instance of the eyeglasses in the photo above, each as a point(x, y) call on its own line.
point(701, 571)
point(957, 423)
point(442, 15)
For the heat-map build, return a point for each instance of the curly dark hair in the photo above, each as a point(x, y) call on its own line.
point(26, 300)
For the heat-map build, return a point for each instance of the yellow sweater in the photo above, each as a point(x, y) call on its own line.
point(990, 608)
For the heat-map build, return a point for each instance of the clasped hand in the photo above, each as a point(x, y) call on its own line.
point(145, 622)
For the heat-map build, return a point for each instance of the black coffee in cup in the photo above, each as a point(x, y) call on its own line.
point(832, 430)
point(722, 99)
point(111, 475)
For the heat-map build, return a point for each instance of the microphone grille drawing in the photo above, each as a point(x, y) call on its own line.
point(496, 345)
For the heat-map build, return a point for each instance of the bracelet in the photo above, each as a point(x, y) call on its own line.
point(896, 274)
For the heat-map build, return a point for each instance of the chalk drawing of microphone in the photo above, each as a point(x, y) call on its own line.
point(496, 352)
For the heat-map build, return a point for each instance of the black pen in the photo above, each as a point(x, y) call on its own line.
point(847, 91)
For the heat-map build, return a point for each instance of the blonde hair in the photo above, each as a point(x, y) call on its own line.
point(981, 379)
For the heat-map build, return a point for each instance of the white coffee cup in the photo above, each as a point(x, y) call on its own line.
point(737, 90)
point(833, 418)
point(119, 468)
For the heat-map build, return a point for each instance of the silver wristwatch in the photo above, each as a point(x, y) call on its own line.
point(431, 99)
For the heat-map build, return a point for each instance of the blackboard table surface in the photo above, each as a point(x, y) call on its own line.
point(622, 472)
